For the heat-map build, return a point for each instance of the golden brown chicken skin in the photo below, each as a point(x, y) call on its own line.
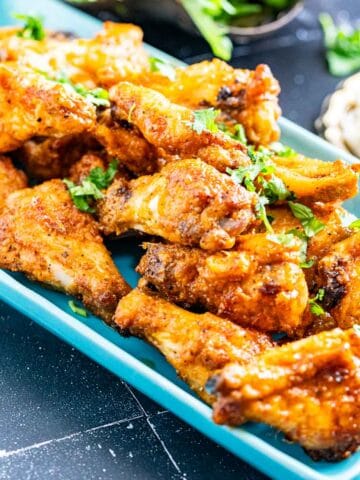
point(258, 285)
point(43, 235)
point(11, 179)
point(31, 105)
point(196, 345)
point(338, 274)
point(314, 180)
point(309, 389)
point(168, 127)
point(116, 53)
point(188, 202)
point(249, 97)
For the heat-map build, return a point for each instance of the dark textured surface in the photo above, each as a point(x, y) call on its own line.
point(64, 417)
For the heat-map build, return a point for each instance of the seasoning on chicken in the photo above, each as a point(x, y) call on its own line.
point(258, 285)
point(196, 345)
point(31, 105)
point(43, 235)
point(11, 179)
point(309, 389)
point(170, 128)
point(188, 202)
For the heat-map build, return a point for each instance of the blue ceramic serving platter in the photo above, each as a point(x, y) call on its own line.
point(132, 359)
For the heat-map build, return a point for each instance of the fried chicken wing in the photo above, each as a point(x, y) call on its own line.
point(196, 345)
point(338, 274)
point(168, 127)
point(188, 202)
point(43, 235)
point(31, 105)
point(314, 180)
point(11, 179)
point(309, 389)
point(249, 97)
point(116, 53)
point(259, 285)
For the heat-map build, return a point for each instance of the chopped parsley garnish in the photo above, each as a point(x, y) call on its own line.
point(76, 309)
point(259, 177)
point(343, 47)
point(236, 133)
point(97, 96)
point(84, 195)
point(315, 308)
point(282, 150)
point(205, 120)
point(165, 68)
point(33, 27)
point(309, 222)
point(355, 225)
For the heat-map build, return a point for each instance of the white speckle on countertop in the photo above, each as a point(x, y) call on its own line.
point(112, 453)
point(130, 426)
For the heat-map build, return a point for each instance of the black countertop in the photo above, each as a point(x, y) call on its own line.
point(64, 417)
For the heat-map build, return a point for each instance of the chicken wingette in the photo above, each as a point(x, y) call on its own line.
point(248, 97)
point(11, 179)
point(259, 284)
point(188, 202)
point(196, 345)
point(116, 53)
point(43, 235)
point(309, 389)
point(170, 128)
point(31, 105)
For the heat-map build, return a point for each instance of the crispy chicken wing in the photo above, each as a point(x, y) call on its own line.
point(249, 97)
point(116, 53)
point(196, 345)
point(11, 179)
point(31, 105)
point(259, 285)
point(314, 180)
point(167, 127)
point(43, 235)
point(188, 202)
point(309, 389)
point(338, 274)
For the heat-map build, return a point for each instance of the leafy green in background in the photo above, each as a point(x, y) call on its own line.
point(343, 47)
point(213, 18)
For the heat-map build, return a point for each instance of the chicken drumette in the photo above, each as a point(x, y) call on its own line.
point(258, 284)
point(43, 235)
point(309, 389)
point(196, 345)
point(188, 202)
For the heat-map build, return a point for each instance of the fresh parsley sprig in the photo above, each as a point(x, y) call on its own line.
point(309, 222)
point(165, 68)
point(355, 225)
point(85, 194)
point(33, 27)
point(204, 120)
point(315, 307)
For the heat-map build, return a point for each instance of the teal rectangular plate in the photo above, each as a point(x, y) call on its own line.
point(129, 358)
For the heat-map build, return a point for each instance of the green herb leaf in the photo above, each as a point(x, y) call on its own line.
point(97, 96)
point(282, 150)
point(205, 120)
point(33, 27)
point(211, 29)
point(76, 309)
point(315, 308)
point(355, 225)
point(309, 222)
point(261, 213)
point(275, 189)
point(237, 133)
point(84, 195)
point(165, 68)
point(343, 47)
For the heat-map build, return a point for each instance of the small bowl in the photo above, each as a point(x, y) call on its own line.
point(173, 12)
